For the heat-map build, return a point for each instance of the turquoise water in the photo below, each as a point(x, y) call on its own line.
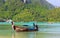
point(31, 23)
point(46, 30)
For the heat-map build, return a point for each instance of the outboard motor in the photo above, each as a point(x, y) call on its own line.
point(35, 26)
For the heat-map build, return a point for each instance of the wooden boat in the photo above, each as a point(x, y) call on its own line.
point(23, 29)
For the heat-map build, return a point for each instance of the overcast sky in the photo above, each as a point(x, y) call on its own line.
point(54, 2)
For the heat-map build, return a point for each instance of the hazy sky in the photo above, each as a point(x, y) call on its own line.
point(54, 2)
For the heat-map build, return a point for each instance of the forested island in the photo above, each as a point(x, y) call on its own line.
point(18, 10)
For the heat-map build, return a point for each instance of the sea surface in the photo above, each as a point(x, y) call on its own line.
point(46, 30)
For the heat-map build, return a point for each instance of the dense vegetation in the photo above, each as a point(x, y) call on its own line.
point(19, 11)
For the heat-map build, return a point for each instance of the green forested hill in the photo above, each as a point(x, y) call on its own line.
point(54, 15)
point(19, 11)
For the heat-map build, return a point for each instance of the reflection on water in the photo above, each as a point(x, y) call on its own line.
point(35, 35)
point(24, 35)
